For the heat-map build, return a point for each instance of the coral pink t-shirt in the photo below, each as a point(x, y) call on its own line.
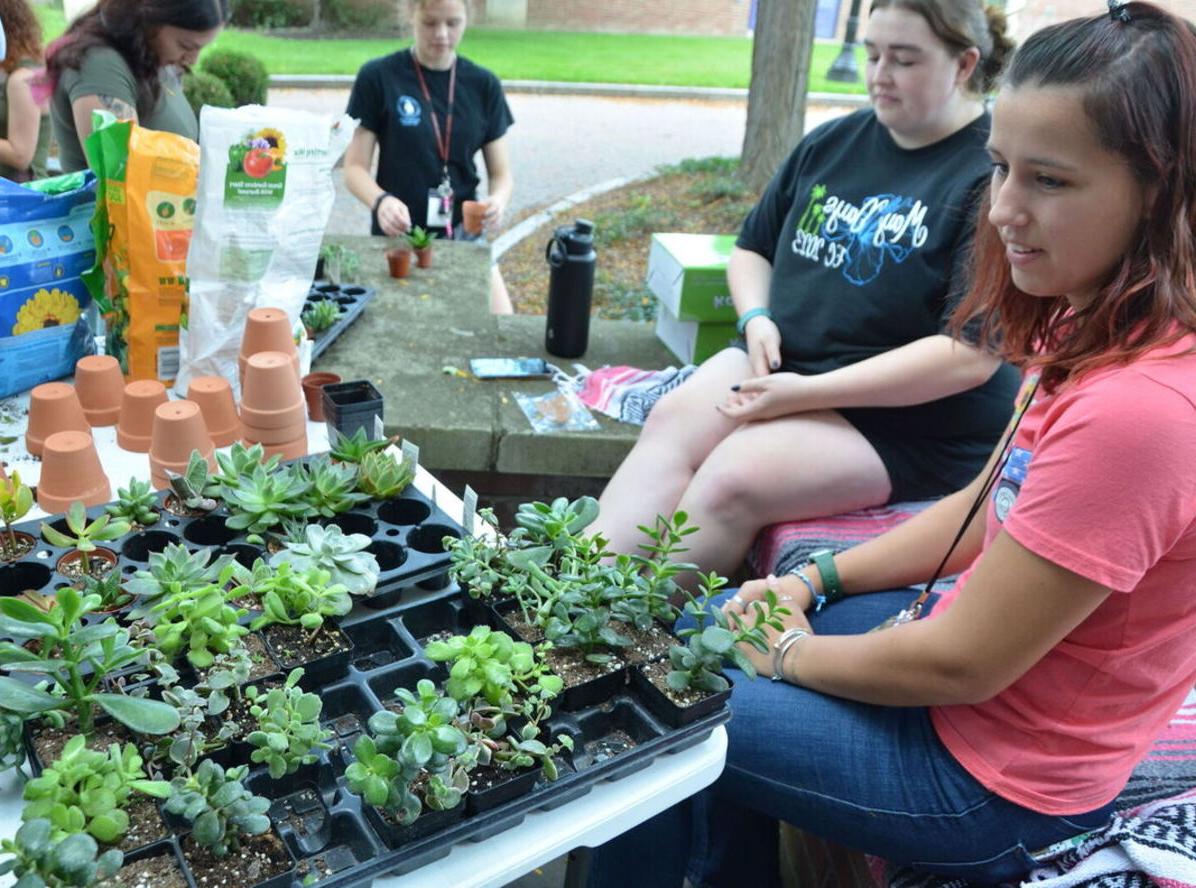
point(1101, 480)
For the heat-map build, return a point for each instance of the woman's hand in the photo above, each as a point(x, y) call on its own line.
point(765, 397)
point(763, 339)
point(791, 594)
point(393, 216)
point(496, 208)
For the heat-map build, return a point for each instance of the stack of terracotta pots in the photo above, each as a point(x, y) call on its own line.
point(178, 430)
point(100, 386)
point(214, 396)
point(273, 412)
point(53, 407)
point(266, 329)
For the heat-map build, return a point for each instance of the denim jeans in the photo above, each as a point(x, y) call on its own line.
point(875, 778)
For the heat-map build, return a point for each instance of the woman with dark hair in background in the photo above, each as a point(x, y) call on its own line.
point(127, 57)
point(24, 129)
point(1009, 717)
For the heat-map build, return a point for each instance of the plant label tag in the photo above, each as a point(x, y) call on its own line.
point(379, 431)
point(470, 511)
point(411, 451)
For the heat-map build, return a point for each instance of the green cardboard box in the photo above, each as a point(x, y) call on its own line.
point(693, 341)
point(688, 274)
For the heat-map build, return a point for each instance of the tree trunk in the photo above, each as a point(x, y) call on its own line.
point(776, 111)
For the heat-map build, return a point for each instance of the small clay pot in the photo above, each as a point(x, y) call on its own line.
point(473, 216)
point(178, 430)
point(99, 384)
point(136, 426)
point(423, 257)
point(266, 329)
point(398, 260)
point(290, 450)
point(271, 398)
point(71, 471)
point(313, 393)
point(53, 407)
point(214, 396)
point(273, 437)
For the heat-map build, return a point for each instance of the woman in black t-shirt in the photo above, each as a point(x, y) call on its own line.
point(848, 393)
point(427, 111)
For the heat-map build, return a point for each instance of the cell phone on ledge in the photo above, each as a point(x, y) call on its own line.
point(508, 368)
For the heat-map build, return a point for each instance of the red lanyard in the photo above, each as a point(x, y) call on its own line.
point(442, 145)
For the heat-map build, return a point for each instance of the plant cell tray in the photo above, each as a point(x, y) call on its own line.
point(352, 300)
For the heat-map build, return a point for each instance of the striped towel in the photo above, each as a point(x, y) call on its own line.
point(625, 393)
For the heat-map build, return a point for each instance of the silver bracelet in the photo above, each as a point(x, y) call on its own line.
point(780, 647)
point(817, 599)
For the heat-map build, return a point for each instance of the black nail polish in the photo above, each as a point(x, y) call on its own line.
point(775, 364)
point(735, 388)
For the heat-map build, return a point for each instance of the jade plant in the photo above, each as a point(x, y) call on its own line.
point(12, 740)
point(84, 534)
point(714, 640)
point(74, 658)
point(293, 597)
point(16, 499)
point(221, 810)
point(190, 488)
point(332, 487)
point(321, 316)
point(135, 504)
point(478, 564)
point(42, 858)
point(288, 732)
point(382, 476)
point(200, 623)
point(329, 549)
point(353, 449)
point(262, 500)
point(85, 790)
point(557, 525)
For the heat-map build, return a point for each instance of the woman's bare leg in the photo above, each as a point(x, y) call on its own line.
point(681, 430)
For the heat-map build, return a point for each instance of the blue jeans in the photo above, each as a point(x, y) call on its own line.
point(875, 778)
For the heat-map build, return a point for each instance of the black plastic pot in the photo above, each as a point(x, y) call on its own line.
point(394, 835)
point(662, 706)
point(328, 668)
point(516, 784)
point(349, 406)
point(595, 691)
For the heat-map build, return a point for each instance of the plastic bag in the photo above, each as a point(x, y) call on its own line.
point(559, 411)
point(45, 246)
point(265, 192)
point(143, 232)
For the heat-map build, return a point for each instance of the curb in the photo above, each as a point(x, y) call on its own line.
point(533, 223)
point(547, 87)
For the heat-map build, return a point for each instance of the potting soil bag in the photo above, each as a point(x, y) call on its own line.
point(265, 192)
point(45, 246)
point(148, 181)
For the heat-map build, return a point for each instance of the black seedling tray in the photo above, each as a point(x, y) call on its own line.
point(352, 299)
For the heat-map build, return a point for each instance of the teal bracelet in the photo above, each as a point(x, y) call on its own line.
point(824, 560)
point(742, 323)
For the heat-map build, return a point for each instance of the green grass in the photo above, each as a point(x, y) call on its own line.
point(535, 55)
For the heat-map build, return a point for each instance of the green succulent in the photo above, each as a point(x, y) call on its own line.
point(332, 487)
point(330, 549)
point(41, 859)
point(297, 598)
point(262, 500)
point(12, 740)
point(136, 504)
point(321, 315)
point(419, 238)
point(382, 476)
point(108, 588)
point(238, 461)
point(190, 487)
point(176, 569)
point(490, 665)
point(353, 449)
point(219, 807)
point(200, 623)
point(16, 499)
point(84, 534)
point(288, 732)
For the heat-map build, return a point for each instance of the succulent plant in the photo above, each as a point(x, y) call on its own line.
point(83, 533)
point(239, 460)
point(382, 476)
point(262, 500)
point(330, 549)
point(136, 504)
point(175, 569)
point(332, 487)
point(219, 807)
point(353, 449)
point(297, 598)
point(41, 859)
point(321, 316)
point(189, 488)
point(200, 623)
point(289, 733)
point(419, 238)
point(16, 499)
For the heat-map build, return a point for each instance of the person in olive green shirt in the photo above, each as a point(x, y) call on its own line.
point(127, 57)
point(24, 127)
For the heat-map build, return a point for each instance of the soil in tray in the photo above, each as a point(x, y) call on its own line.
point(262, 664)
point(145, 824)
point(609, 746)
point(259, 858)
point(24, 546)
point(49, 742)
point(646, 645)
point(573, 668)
point(657, 672)
point(159, 871)
point(97, 567)
point(172, 505)
point(528, 632)
point(486, 777)
point(294, 647)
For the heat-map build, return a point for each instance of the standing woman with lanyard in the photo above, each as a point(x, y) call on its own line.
point(427, 112)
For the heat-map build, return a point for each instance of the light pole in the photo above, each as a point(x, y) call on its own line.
point(844, 68)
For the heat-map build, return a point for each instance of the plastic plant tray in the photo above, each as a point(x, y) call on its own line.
point(352, 300)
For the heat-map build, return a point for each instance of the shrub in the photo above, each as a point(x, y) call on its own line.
point(202, 89)
point(246, 77)
point(268, 13)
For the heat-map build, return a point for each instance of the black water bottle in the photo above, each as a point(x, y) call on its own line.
point(571, 257)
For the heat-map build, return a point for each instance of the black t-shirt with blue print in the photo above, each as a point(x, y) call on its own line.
point(389, 102)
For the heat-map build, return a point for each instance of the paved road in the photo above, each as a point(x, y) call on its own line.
point(563, 144)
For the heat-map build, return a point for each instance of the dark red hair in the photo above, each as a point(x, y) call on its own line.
point(1137, 74)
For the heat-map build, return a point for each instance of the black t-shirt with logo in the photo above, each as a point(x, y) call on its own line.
point(388, 100)
point(868, 244)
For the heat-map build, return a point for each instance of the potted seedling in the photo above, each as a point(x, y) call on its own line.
point(298, 607)
point(287, 730)
point(331, 487)
point(136, 505)
point(353, 448)
point(189, 491)
point(16, 499)
point(88, 559)
point(320, 317)
point(382, 476)
point(198, 623)
point(421, 243)
point(329, 549)
point(43, 857)
point(263, 500)
point(236, 463)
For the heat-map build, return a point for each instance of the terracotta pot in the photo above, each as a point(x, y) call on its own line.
point(178, 430)
point(141, 398)
point(53, 407)
point(71, 471)
point(423, 257)
point(399, 262)
point(99, 384)
point(214, 396)
point(275, 436)
point(290, 450)
point(313, 393)
point(473, 216)
point(271, 398)
point(266, 329)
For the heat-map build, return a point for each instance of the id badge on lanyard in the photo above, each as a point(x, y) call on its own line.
point(440, 206)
